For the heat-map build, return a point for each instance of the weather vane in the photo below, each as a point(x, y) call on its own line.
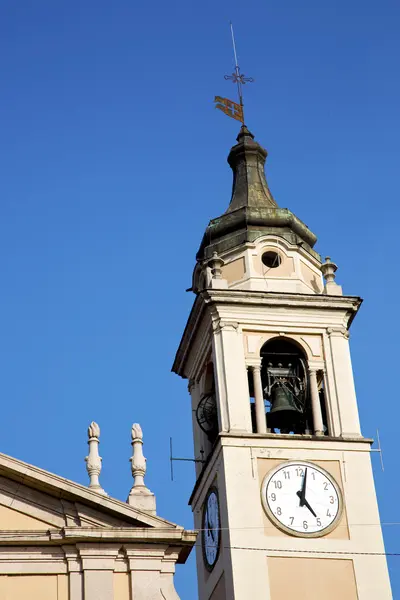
point(230, 108)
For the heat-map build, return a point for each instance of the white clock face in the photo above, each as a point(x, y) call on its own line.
point(302, 499)
point(211, 529)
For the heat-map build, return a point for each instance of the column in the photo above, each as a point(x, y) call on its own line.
point(259, 399)
point(315, 403)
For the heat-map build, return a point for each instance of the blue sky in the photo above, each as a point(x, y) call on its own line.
point(113, 161)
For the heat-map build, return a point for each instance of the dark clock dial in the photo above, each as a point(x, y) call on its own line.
point(211, 529)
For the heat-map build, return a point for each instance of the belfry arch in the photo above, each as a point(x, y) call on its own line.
point(288, 395)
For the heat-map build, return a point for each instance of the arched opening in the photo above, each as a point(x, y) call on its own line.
point(286, 387)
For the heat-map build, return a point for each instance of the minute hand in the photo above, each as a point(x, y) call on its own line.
point(302, 494)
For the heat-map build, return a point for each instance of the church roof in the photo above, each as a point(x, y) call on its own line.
point(52, 485)
point(252, 211)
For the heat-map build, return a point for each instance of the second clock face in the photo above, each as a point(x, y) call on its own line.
point(211, 529)
point(302, 499)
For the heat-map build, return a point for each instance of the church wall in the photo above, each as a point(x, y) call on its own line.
point(234, 271)
point(312, 279)
point(87, 571)
point(241, 463)
point(312, 578)
point(34, 587)
point(285, 269)
point(297, 271)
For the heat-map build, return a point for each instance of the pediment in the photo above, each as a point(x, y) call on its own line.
point(32, 499)
point(24, 508)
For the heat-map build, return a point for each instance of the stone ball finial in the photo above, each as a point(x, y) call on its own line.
point(137, 433)
point(93, 430)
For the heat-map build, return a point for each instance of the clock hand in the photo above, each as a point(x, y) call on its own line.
point(210, 529)
point(305, 503)
point(302, 493)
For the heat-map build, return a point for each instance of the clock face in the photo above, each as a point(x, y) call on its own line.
point(211, 529)
point(302, 499)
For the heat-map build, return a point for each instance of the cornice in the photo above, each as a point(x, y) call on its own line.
point(262, 298)
point(100, 539)
point(217, 297)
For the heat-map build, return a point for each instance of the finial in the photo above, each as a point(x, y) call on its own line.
point(217, 280)
point(238, 77)
point(93, 460)
point(328, 269)
point(244, 133)
point(230, 108)
point(139, 496)
point(215, 263)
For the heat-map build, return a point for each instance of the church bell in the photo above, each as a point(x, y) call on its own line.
point(284, 413)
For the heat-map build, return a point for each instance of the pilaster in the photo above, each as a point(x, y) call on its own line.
point(344, 382)
point(98, 562)
point(75, 575)
point(231, 377)
point(145, 566)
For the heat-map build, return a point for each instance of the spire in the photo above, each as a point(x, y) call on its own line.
point(252, 211)
point(247, 160)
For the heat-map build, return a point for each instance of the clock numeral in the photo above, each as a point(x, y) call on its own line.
point(279, 511)
point(326, 486)
point(328, 514)
point(300, 472)
point(331, 499)
point(278, 484)
point(291, 520)
point(319, 522)
point(273, 497)
point(313, 476)
point(305, 525)
point(286, 474)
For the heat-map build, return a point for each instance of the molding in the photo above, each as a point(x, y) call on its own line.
point(338, 332)
point(253, 362)
point(221, 325)
point(316, 366)
point(211, 303)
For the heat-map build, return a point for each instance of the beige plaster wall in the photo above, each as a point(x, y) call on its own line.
point(311, 278)
point(234, 271)
point(219, 592)
point(311, 579)
point(122, 586)
point(34, 587)
point(285, 269)
point(13, 520)
point(341, 532)
point(311, 343)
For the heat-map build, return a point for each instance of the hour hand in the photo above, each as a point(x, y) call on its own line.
point(303, 502)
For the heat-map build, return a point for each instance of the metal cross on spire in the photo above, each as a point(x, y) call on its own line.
point(238, 77)
point(230, 108)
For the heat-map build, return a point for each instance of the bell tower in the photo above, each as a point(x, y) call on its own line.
point(284, 499)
